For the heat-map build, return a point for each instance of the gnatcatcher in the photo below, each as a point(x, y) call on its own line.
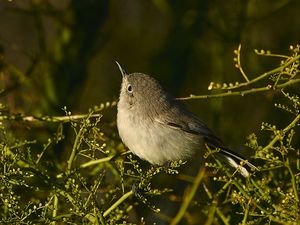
point(157, 128)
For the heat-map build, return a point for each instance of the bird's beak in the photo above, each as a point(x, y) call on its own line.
point(123, 72)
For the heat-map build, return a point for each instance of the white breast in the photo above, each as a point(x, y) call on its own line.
point(152, 141)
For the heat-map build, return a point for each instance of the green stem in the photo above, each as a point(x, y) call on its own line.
point(266, 74)
point(242, 93)
point(101, 219)
point(273, 55)
point(75, 147)
point(278, 136)
point(219, 212)
point(97, 161)
point(246, 213)
point(239, 63)
point(55, 206)
point(53, 119)
point(261, 192)
point(189, 197)
point(292, 124)
point(59, 217)
point(211, 213)
point(96, 217)
point(68, 196)
point(238, 186)
point(293, 180)
point(117, 203)
point(222, 217)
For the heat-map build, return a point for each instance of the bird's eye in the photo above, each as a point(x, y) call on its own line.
point(129, 88)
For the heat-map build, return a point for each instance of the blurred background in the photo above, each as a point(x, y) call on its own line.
point(56, 53)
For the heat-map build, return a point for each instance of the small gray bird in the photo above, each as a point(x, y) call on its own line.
point(158, 129)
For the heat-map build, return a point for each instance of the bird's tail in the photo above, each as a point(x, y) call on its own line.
point(233, 159)
point(237, 162)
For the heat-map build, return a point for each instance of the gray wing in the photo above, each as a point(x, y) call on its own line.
point(187, 122)
point(181, 119)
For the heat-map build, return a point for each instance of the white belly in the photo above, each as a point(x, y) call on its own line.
point(153, 141)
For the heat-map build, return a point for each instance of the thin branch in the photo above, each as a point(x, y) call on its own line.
point(76, 146)
point(189, 197)
point(293, 180)
point(97, 161)
point(279, 136)
point(237, 85)
point(238, 65)
point(242, 93)
point(117, 203)
point(55, 119)
point(266, 74)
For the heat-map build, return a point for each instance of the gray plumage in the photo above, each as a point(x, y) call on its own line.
point(157, 128)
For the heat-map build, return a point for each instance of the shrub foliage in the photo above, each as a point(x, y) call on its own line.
point(98, 182)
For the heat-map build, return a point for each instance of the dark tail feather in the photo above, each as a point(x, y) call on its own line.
point(232, 158)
